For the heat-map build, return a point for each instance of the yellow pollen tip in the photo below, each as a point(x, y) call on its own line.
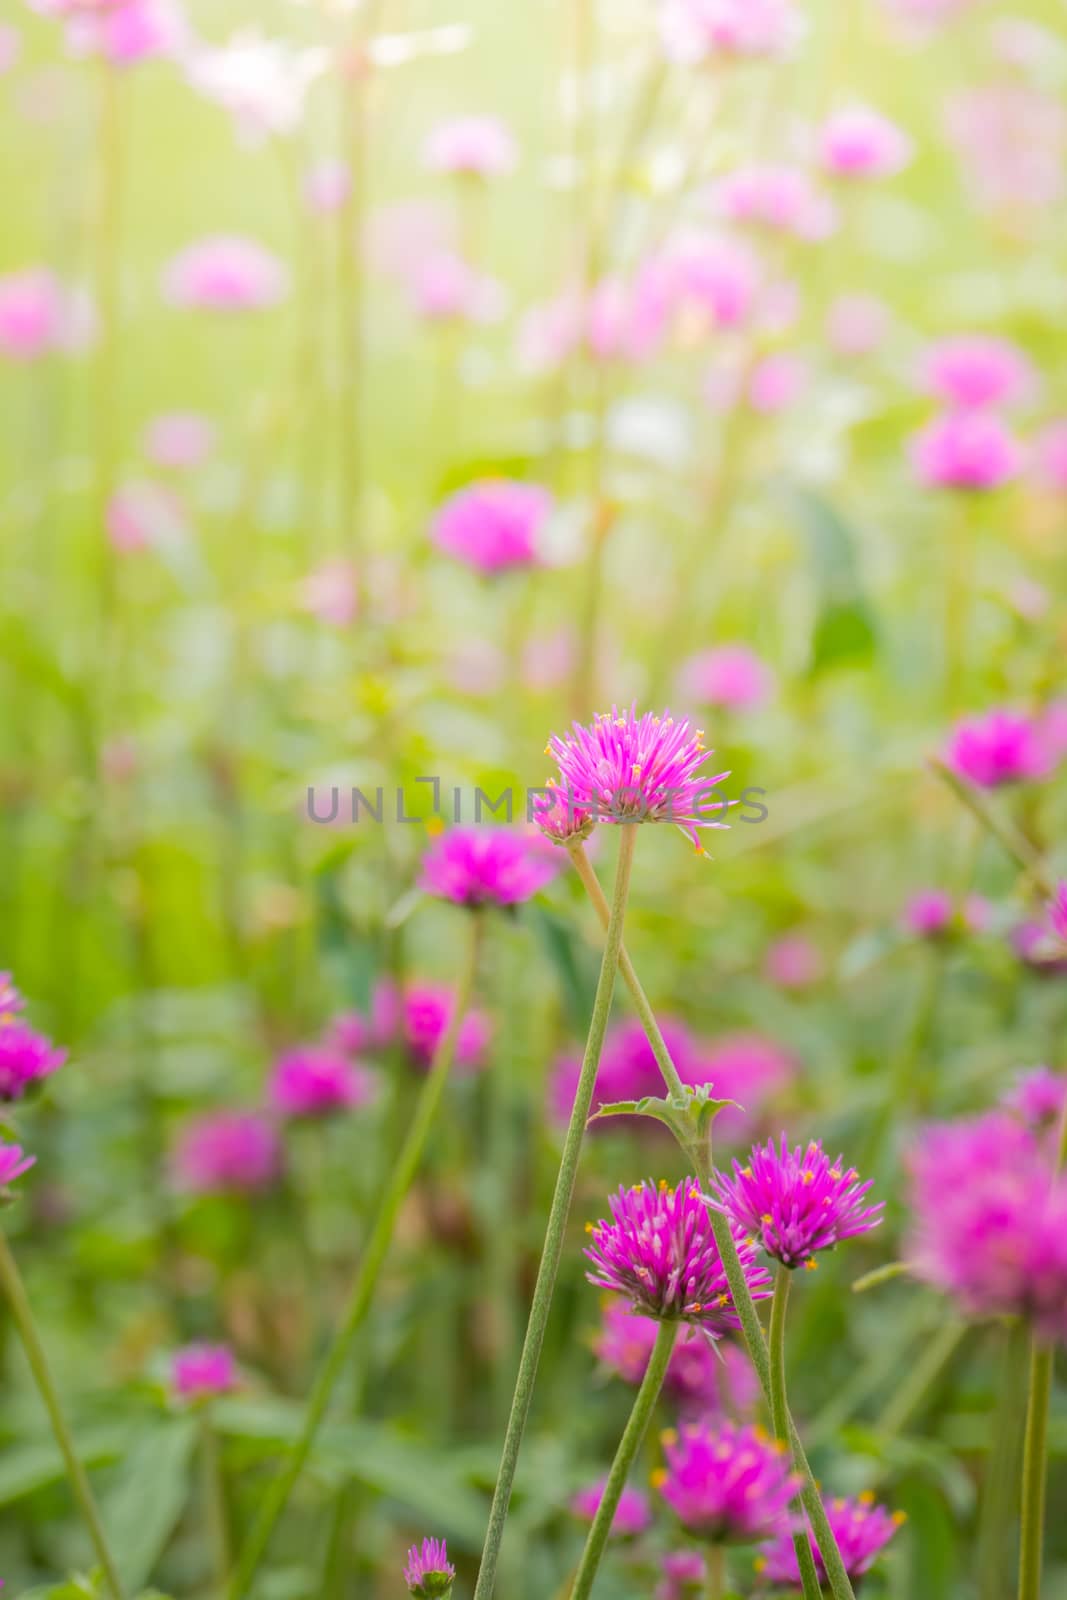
point(723, 1300)
point(766, 1217)
point(760, 1563)
point(694, 1194)
point(658, 1478)
point(900, 1517)
point(811, 1265)
point(808, 1176)
point(669, 1436)
point(589, 1227)
point(835, 1173)
point(866, 1498)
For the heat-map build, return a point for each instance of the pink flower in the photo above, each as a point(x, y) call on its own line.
point(428, 1573)
point(776, 383)
point(625, 320)
point(684, 1574)
point(127, 31)
point(225, 273)
point(1039, 1097)
point(480, 147)
point(1057, 913)
point(419, 1019)
point(485, 866)
point(180, 439)
point(13, 1163)
point(731, 676)
point(974, 370)
point(327, 187)
point(861, 1529)
point(797, 1202)
point(857, 324)
point(313, 1081)
point(38, 316)
point(141, 515)
point(697, 30)
point(632, 1514)
point(202, 1371)
point(26, 1057)
point(720, 276)
point(999, 747)
point(227, 1152)
point(628, 1068)
point(445, 288)
point(727, 1484)
point(793, 962)
point(781, 198)
point(1051, 456)
point(331, 593)
point(747, 1068)
point(858, 142)
point(494, 524)
point(701, 1378)
point(1011, 139)
point(966, 450)
point(929, 913)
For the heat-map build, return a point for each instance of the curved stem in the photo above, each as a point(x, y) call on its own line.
point(557, 1222)
point(366, 1280)
point(780, 1417)
point(629, 1444)
point(15, 1290)
point(1035, 1471)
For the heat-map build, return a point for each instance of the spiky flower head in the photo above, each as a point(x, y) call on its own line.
point(632, 1515)
point(485, 867)
point(727, 1484)
point(13, 1163)
point(624, 768)
point(660, 1252)
point(26, 1057)
point(797, 1202)
point(429, 1574)
point(862, 1530)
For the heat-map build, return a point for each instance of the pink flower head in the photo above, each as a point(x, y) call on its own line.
point(1039, 1097)
point(971, 371)
point(445, 288)
point(1057, 913)
point(701, 1377)
point(858, 142)
point(493, 524)
point(327, 187)
point(660, 1253)
point(793, 962)
point(781, 198)
point(728, 676)
point(202, 1371)
point(862, 1530)
point(236, 1152)
point(796, 1202)
point(1010, 138)
point(990, 1221)
point(476, 147)
point(684, 1574)
point(126, 31)
point(966, 450)
point(1032, 945)
point(628, 1068)
point(776, 382)
point(11, 1001)
point(429, 1574)
point(623, 768)
point(225, 272)
point(38, 316)
point(13, 1163)
point(857, 324)
point(698, 30)
point(180, 439)
point(929, 913)
point(720, 276)
point(485, 867)
point(632, 1515)
point(142, 515)
point(625, 320)
point(331, 593)
point(423, 1017)
point(26, 1057)
point(727, 1484)
point(748, 1068)
point(314, 1081)
point(1051, 456)
point(999, 747)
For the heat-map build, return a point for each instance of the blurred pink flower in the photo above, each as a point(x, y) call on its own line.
point(331, 593)
point(1039, 1097)
point(702, 1378)
point(632, 1515)
point(420, 1018)
point(493, 524)
point(859, 142)
point(227, 1152)
point(38, 315)
point(225, 272)
point(684, 1573)
point(127, 31)
point(728, 675)
point(969, 450)
point(142, 515)
point(776, 382)
point(444, 288)
point(1012, 141)
point(929, 913)
point(315, 1080)
point(974, 370)
point(10, 47)
point(696, 30)
point(793, 962)
point(779, 197)
point(201, 1371)
point(857, 324)
point(1050, 456)
point(628, 1069)
point(327, 187)
point(746, 1067)
point(718, 275)
point(179, 439)
point(548, 659)
point(26, 1057)
point(996, 748)
point(13, 1163)
point(486, 866)
point(481, 147)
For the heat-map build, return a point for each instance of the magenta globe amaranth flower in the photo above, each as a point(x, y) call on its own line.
point(632, 1515)
point(429, 1574)
point(862, 1530)
point(727, 1484)
point(228, 1152)
point(659, 1252)
point(13, 1163)
point(26, 1057)
point(623, 768)
point(997, 748)
point(972, 371)
point(203, 1371)
point(494, 524)
point(1039, 1097)
point(38, 316)
point(972, 450)
point(702, 1378)
point(731, 676)
point(694, 31)
point(859, 142)
point(315, 1081)
point(425, 1013)
point(684, 1573)
point(225, 273)
point(797, 1202)
point(485, 867)
point(628, 1069)
point(779, 197)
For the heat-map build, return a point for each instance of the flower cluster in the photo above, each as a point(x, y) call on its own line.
point(727, 1484)
point(862, 1530)
point(485, 867)
point(702, 1378)
point(632, 1514)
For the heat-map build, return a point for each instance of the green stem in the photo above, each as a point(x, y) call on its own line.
point(557, 1222)
point(1035, 1471)
point(15, 1290)
point(629, 1445)
point(925, 1372)
point(751, 1328)
point(780, 1417)
point(366, 1280)
point(716, 1565)
point(216, 1507)
point(1011, 840)
point(997, 1512)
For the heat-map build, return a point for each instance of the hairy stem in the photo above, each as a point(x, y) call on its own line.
point(1035, 1471)
point(780, 1417)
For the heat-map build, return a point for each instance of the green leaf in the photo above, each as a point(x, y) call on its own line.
point(844, 632)
point(26, 1468)
point(144, 1506)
